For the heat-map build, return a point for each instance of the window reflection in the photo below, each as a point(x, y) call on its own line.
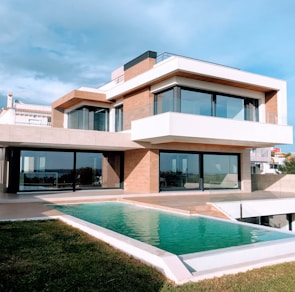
point(89, 118)
point(229, 107)
point(193, 101)
point(164, 102)
point(88, 169)
point(55, 170)
point(220, 171)
point(40, 170)
point(179, 171)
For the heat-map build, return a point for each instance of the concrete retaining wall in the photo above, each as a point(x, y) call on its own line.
point(273, 182)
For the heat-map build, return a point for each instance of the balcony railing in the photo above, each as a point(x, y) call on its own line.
point(30, 123)
point(166, 55)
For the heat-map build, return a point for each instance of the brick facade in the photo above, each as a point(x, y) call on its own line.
point(57, 118)
point(139, 68)
point(137, 105)
point(141, 170)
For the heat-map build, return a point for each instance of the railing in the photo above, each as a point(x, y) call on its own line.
point(166, 55)
point(118, 79)
point(163, 57)
point(48, 124)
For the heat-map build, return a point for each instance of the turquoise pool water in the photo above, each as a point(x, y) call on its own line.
point(175, 233)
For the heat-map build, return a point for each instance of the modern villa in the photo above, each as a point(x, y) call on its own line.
point(163, 123)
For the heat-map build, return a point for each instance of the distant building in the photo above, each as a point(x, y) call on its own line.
point(163, 123)
point(267, 160)
point(19, 113)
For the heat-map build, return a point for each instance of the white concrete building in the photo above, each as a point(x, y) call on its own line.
point(19, 113)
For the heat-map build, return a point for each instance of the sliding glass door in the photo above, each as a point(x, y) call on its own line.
point(179, 171)
point(60, 170)
point(221, 171)
point(88, 169)
point(183, 171)
point(45, 170)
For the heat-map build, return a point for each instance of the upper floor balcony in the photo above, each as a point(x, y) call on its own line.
point(172, 127)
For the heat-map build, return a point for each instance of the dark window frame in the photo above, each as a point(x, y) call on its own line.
point(14, 154)
point(201, 167)
point(177, 101)
point(83, 120)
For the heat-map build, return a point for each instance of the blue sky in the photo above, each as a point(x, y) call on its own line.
point(48, 48)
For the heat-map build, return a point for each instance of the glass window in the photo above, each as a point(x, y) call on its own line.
point(46, 170)
point(179, 171)
point(101, 119)
point(119, 118)
point(229, 107)
point(55, 170)
point(88, 169)
point(194, 102)
point(89, 118)
point(251, 107)
point(191, 101)
point(220, 171)
point(164, 101)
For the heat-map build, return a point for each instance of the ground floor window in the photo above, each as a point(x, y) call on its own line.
point(182, 170)
point(58, 170)
point(179, 170)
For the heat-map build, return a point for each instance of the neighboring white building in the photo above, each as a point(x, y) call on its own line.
point(19, 113)
point(266, 160)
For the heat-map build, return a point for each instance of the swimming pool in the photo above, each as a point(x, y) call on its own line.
point(176, 233)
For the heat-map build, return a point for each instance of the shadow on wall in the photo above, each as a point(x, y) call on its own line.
point(273, 182)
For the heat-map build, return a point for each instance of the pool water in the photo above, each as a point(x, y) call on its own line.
point(175, 233)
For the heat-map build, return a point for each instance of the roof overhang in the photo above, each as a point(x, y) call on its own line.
point(198, 70)
point(76, 96)
point(60, 138)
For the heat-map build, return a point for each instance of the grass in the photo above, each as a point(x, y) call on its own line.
point(51, 256)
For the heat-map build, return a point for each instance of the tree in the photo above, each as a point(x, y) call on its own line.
point(289, 165)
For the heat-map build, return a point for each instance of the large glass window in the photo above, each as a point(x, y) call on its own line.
point(88, 169)
point(229, 107)
point(220, 171)
point(57, 170)
point(89, 118)
point(194, 102)
point(41, 170)
point(164, 101)
point(179, 171)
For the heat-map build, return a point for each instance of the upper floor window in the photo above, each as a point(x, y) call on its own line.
point(164, 101)
point(119, 118)
point(89, 118)
point(195, 102)
point(229, 107)
point(191, 101)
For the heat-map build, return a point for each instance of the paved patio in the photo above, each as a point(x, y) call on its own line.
point(35, 205)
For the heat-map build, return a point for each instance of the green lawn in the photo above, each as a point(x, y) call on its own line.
point(51, 256)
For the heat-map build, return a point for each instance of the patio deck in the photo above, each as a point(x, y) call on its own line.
point(34, 205)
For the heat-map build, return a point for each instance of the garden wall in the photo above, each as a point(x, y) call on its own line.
point(273, 182)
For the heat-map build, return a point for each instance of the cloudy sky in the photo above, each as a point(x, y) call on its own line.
point(48, 48)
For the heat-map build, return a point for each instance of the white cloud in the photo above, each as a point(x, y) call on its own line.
point(31, 90)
